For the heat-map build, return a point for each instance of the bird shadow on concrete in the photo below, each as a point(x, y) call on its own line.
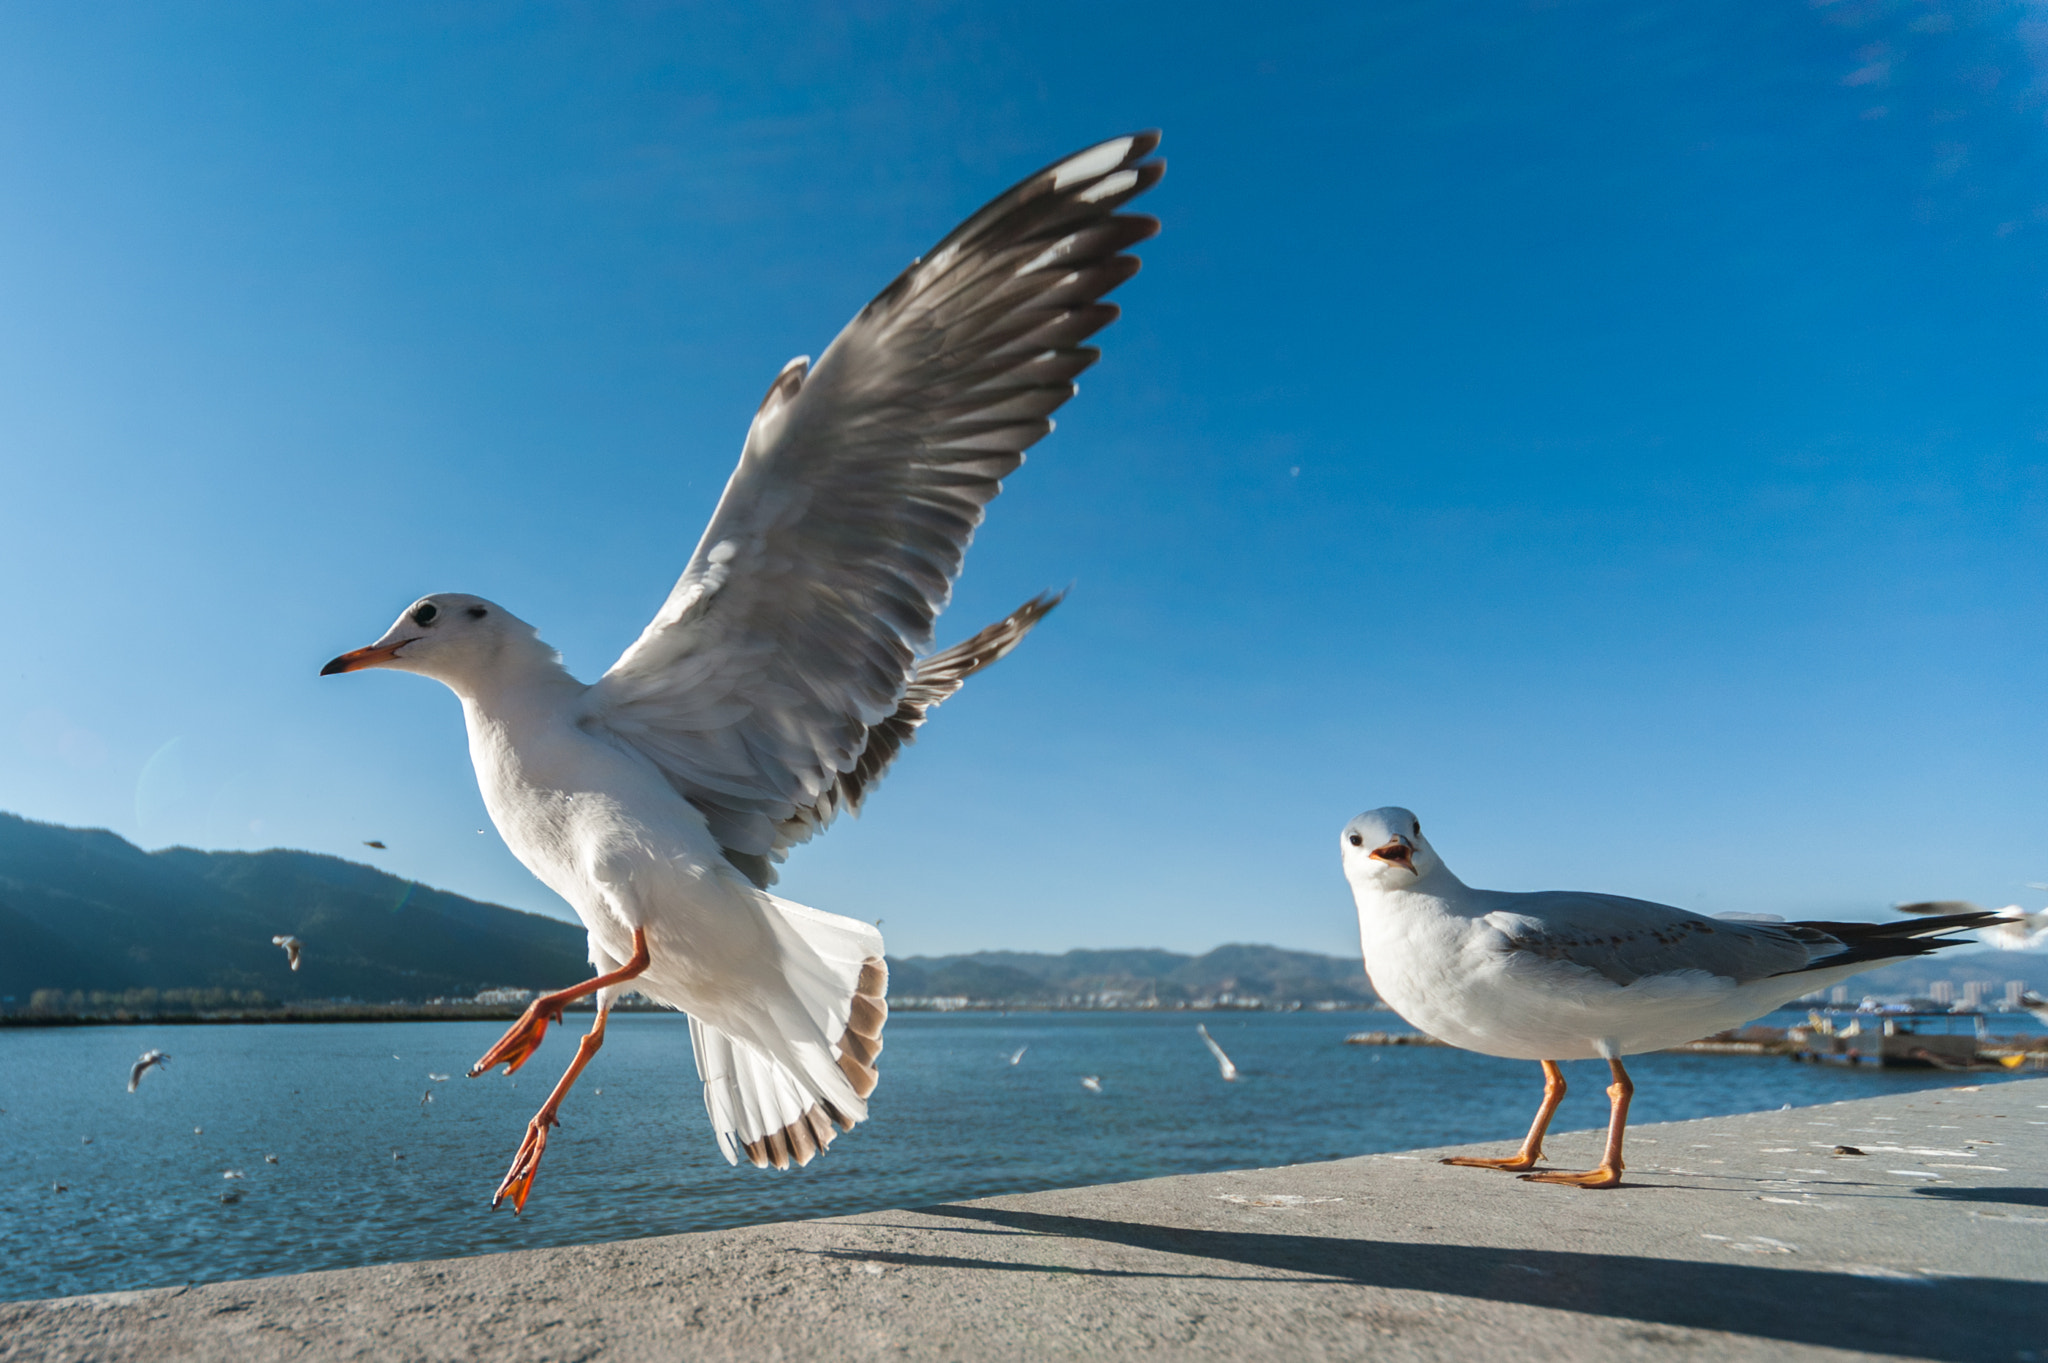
point(2016, 1197)
point(1961, 1318)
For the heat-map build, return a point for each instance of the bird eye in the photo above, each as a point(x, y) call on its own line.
point(425, 612)
point(1418, 828)
point(1357, 840)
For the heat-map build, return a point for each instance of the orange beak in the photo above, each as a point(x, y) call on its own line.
point(362, 658)
point(1400, 852)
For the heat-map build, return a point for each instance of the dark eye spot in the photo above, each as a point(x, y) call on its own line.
point(1357, 840)
point(424, 613)
point(477, 612)
point(1418, 828)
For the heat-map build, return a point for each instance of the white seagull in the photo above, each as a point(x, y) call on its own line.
point(1229, 1070)
point(1565, 975)
point(292, 948)
point(780, 678)
point(148, 1061)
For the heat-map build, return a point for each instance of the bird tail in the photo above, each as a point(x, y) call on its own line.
point(1868, 944)
point(778, 1109)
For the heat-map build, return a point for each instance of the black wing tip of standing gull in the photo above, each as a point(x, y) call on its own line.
point(1896, 940)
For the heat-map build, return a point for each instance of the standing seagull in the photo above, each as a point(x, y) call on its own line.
point(148, 1061)
point(780, 677)
point(292, 948)
point(1562, 975)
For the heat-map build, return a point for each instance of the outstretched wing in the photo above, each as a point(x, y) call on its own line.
point(791, 635)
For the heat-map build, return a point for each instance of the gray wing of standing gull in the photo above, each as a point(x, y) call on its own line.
point(792, 635)
point(1625, 940)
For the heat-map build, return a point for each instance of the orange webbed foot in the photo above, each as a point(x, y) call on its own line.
point(1604, 1177)
point(1512, 1163)
point(518, 1184)
point(520, 1041)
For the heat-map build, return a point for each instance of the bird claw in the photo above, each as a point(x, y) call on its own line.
point(1511, 1163)
point(1603, 1177)
point(518, 1184)
point(520, 1041)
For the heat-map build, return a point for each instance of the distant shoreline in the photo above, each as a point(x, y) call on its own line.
point(508, 1011)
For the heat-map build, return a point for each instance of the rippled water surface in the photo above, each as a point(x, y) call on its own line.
point(366, 1172)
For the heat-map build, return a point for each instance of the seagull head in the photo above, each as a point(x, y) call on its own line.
point(450, 637)
point(1383, 849)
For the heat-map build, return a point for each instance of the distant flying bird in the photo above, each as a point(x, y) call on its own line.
point(437, 1078)
point(291, 946)
point(426, 1097)
point(1229, 1070)
point(2015, 929)
point(148, 1061)
point(780, 678)
point(270, 1159)
point(378, 845)
point(1019, 1055)
point(1091, 1083)
point(1562, 975)
point(232, 1173)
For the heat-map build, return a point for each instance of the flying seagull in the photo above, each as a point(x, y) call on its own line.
point(1229, 1070)
point(1091, 1083)
point(780, 678)
point(1562, 975)
point(148, 1061)
point(376, 844)
point(1017, 1056)
point(292, 948)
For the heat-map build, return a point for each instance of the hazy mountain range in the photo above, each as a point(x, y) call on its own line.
point(85, 910)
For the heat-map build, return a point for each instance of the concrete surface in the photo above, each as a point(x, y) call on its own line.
point(1735, 1238)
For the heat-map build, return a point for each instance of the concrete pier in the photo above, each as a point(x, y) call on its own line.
point(1746, 1237)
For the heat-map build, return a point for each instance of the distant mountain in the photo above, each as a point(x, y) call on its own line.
point(86, 910)
point(1249, 976)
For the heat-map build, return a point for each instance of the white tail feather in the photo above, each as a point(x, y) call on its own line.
point(781, 1109)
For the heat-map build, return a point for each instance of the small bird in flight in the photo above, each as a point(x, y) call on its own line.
point(374, 843)
point(1229, 1070)
point(1091, 1083)
point(292, 948)
point(149, 1061)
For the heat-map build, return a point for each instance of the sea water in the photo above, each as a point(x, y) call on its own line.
point(379, 1158)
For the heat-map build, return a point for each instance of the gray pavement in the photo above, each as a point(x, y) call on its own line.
point(1734, 1238)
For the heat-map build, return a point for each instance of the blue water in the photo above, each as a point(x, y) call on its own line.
point(635, 1157)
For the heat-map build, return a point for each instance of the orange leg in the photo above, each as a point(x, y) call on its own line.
point(518, 1184)
point(1608, 1175)
point(519, 1043)
point(1532, 1145)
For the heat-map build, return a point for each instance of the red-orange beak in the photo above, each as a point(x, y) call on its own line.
point(1400, 852)
point(363, 657)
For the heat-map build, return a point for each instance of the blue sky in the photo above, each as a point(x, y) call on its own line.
point(1618, 432)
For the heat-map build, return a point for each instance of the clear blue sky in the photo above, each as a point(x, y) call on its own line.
point(1618, 432)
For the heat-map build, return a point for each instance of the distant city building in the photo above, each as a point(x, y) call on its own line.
point(1942, 991)
point(504, 996)
point(2013, 990)
point(1974, 992)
